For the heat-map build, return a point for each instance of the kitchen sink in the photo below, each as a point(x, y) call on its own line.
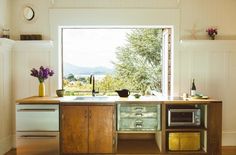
point(91, 98)
point(88, 99)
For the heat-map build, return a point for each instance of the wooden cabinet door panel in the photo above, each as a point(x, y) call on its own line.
point(74, 129)
point(101, 129)
point(214, 125)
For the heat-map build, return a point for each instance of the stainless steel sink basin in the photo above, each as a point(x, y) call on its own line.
point(91, 98)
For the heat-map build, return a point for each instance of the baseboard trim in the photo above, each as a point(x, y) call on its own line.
point(229, 138)
point(5, 144)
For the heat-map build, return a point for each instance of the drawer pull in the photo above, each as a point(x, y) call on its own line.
point(139, 108)
point(39, 136)
point(36, 110)
point(139, 114)
point(139, 125)
point(139, 121)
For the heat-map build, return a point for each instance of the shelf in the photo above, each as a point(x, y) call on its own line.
point(201, 151)
point(154, 131)
point(34, 45)
point(208, 41)
point(187, 129)
point(203, 45)
point(187, 152)
point(137, 146)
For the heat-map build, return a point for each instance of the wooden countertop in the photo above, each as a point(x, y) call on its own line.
point(131, 99)
point(39, 100)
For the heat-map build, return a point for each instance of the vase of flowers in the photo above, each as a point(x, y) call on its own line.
point(212, 32)
point(42, 74)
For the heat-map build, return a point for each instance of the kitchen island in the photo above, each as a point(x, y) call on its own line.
point(147, 125)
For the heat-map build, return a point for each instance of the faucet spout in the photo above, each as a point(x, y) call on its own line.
point(92, 81)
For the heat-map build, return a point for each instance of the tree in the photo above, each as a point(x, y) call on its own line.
point(71, 77)
point(139, 61)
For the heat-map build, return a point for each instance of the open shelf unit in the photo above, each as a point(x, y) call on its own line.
point(200, 130)
point(157, 142)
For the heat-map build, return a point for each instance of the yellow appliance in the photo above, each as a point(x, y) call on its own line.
point(184, 141)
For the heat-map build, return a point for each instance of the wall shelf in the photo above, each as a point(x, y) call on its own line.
point(33, 45)
point(207, 45)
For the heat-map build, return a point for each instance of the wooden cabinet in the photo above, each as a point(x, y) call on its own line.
point(74, 129)
point(87, 129)
point(101, 129)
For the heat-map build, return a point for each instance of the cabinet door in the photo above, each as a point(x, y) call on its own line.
point(214, 125)
point(74, 129)
point(101, 129)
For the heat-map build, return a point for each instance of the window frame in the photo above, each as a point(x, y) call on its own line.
point(167, 84)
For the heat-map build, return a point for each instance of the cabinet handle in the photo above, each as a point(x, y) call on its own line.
point(114, 140)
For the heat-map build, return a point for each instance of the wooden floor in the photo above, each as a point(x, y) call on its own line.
point(226, 150)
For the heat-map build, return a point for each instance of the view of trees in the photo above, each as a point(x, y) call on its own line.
point(139, 66)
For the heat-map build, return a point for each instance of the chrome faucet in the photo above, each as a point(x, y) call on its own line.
point(92, 81)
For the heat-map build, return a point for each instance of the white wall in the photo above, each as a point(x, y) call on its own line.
point(195, 16)
point(6, 107)
point(38, 26)
point(36, 55)
point(205, 13)
point(201, 13)
point(4, 14)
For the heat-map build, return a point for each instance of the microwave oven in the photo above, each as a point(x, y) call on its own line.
point(184, 117)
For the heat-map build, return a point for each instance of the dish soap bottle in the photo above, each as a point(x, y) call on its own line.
point(193, 89)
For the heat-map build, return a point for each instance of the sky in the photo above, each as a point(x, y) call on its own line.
point(92, 47)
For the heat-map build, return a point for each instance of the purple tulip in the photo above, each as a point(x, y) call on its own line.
point(42, 74)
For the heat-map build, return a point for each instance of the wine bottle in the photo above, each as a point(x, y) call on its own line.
point(193, 89)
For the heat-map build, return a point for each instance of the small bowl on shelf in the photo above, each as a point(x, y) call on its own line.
point(137, 96)
point(60, 92)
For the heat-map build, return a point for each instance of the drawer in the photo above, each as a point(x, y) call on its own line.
point(37, 118)
point(139, 114)
point(138, 108)
point(138, 124)
point(184, 141)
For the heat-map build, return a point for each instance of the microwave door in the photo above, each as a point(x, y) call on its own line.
point(181, 117)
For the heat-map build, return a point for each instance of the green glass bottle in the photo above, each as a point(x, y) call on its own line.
point(193, 89)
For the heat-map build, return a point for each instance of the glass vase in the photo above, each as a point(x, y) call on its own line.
point(41, 89)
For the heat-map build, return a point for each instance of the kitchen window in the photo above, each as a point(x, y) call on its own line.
point(137, 59)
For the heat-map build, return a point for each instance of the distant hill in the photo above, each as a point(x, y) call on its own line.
point(70, 68)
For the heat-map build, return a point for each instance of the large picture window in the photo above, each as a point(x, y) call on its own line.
point(131, 58)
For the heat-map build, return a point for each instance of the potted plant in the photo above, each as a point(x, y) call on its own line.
point(212, 32)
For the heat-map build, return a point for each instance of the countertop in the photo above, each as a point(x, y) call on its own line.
point(112, 100)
